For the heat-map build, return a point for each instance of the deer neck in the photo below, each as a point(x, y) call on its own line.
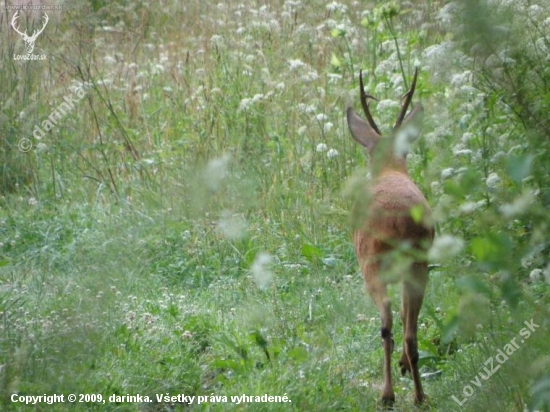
point(390, 165)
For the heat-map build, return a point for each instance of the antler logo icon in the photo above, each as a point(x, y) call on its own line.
point(28, 39)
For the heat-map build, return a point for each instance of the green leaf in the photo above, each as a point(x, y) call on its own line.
point(335, 62)
point(463, 185)
point(299, 354)
point(257, 337)
point(519, 167)
point(417, 213)
point(483, 248)
point(367, 21)
point(493, 249)
point(338, 33)
point(311, 252)
point(472, 284)
point(449, 330)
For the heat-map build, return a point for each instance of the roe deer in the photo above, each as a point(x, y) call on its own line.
point(392, 216)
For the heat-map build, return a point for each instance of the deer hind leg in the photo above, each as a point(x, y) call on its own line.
point(413, 295)
point(377, 291)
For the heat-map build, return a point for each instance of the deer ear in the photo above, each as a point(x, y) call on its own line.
point(408, 131)
point(361, 131)
point(414, 121)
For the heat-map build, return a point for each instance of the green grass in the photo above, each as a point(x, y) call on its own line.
point(183, 231)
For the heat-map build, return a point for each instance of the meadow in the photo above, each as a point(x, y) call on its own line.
point(183, 226)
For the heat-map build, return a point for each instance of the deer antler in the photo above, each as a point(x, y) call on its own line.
point(46, 20)
point(365, 104)
point(36, 33)
point(408, 97)
point(13, 22)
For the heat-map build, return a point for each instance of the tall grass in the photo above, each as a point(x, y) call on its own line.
point(183, 228)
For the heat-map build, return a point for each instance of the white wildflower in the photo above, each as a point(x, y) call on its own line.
point(435, 187)
point(306, 109)
point(519, 206)
point(387, 105)
point(328, 127)
point(535, 11)
point(505, 59)
point(467, 90)
point(446, 173)
point(321, 147)
point(321, 117)
point(387, 46)
point(462, 79)
point(295, 64)
point(397, 83)
point(330, 260)
point(216, 40)
point(110, 60)
point(245, 104)
point(536, 274)
point(361, 317)
point(216, 171)
point(335, 6)
point(310, 76)
point(447, 13)
point(445, 247)
point(465, 120)
point(260, 269)
point(384, 67)
point(460, 150)
point(232, 226)
point(468, 207)
point(334, 78)
point(332, 153)
point(527, 261)
point(105, 82)
point(257, 97)
point(436, 51)
point(493, 180)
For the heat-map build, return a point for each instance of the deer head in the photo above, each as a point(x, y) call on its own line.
point(386, 152)
point(29, 40)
